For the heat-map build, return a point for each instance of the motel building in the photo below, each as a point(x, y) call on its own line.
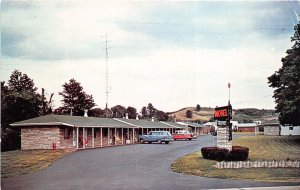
point(79, 132)
point(196, 128)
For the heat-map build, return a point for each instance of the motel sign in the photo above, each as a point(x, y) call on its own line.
point(222, 116)
point(223, 113)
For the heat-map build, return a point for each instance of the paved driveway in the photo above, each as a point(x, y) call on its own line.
point(142, 166)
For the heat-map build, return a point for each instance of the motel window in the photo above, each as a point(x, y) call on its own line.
point(291, 128)
point(261, 129)
point(67, 133)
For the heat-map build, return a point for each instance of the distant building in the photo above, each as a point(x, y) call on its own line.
point(196, 128)
point(290, 130)
point(246, 127)
point(271, 128)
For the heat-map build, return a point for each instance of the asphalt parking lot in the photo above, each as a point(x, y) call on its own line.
point(141, 166)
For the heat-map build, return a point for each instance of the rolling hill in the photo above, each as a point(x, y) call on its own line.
point(240, 115)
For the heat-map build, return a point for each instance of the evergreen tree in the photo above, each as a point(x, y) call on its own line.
point(75, 98)
point(198, 108)
point(287, 83)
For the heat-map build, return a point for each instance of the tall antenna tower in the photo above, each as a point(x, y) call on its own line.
point(106, 76)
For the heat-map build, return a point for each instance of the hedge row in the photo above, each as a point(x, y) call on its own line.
point(237, 153)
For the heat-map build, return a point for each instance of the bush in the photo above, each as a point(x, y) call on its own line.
point(237, 153)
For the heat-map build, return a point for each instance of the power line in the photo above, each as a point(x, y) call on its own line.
point(252, 99)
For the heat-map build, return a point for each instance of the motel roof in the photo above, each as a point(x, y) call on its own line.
point(174, 124)
point(196, 125)
point(147, 123)
point(273, 122)
point(73, 121)
point(241, 125)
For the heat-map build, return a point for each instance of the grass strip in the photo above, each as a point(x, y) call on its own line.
point(261, 148)
point(15, 163)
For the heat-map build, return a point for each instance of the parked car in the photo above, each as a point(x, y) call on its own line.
point(156, 136)
point(183, 134)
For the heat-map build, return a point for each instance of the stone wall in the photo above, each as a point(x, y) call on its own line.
point(39, 137)
point(258, 164)
point(65, 142)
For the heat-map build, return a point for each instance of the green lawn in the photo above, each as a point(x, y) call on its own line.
point(15, 163)
point(261, 148)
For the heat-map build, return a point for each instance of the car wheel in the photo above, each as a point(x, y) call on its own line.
point(167, 142)
point(150, 142)
point(159, 142)
point(190, 139)
point(142, 141)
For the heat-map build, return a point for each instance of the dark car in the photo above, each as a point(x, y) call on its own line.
point(156, 136)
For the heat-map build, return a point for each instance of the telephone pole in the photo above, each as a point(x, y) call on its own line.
point(106, 76)
point(229, 85)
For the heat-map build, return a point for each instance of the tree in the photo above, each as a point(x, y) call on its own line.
point(198, 108)
point(97, 112)
point(286, 82)
point(151, 110)
point(144, 112)
point(118, 111)
point(131, 112)
point(189, 114)
point(19, 101)
point(161, 116)
point(75, 98)
point(46, 105)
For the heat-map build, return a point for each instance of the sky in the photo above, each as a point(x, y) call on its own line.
point(170, 54)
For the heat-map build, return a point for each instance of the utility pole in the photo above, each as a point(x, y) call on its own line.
point(106, 76)
point(229, 85)
point(229, 125)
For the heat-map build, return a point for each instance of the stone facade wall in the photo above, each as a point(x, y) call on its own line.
point(65, 142)
point(39, 137)
point(258, 164)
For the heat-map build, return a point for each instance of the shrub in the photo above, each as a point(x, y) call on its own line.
point(237, 153)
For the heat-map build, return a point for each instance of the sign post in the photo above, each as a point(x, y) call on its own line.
point(222, 115)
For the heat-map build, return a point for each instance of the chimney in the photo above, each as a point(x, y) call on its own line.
point(85, 113)
point(126, 115)
point(152, 119)
point(137, 117)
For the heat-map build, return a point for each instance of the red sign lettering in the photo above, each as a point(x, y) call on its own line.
point(220, 113)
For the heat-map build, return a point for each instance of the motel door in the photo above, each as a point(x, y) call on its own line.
point(82, 140)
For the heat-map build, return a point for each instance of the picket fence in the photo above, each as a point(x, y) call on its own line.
point(258, 164)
